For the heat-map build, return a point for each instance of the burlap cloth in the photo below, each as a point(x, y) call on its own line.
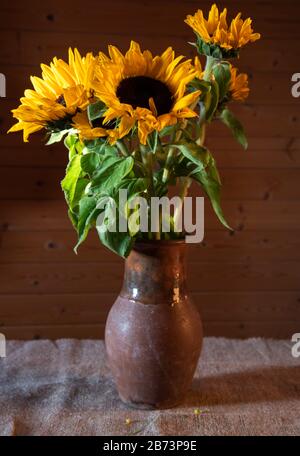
point(64, 387)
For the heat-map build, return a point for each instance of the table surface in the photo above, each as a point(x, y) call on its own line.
point(64, 387)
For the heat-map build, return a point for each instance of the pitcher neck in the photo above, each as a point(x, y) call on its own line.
point(155, 272)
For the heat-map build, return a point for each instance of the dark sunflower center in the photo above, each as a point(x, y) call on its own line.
point(137, 91)
point(61, 100)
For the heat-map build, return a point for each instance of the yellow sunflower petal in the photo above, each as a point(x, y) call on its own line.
point(173, 72)
point(186, 101)
point(215, 29)
point(126, 124)
point(63, 89)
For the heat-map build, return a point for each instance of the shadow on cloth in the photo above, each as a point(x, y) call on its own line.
point(259, 385)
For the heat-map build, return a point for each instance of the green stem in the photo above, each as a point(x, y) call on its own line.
point(168, 164)
point(122, 148)
point(184, 188)
point(201, 140)
point(147, 158)
point(148, 163)
point(210, 62)
point(169, 160)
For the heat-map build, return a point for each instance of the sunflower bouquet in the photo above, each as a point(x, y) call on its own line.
point(137, 122)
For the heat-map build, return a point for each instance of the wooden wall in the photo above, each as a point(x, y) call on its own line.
point(246, 283)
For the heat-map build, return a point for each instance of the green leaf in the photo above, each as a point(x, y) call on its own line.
point(74, 145)
point(90, 162)
point(70, 181)
point(101, 147)
point(196, 154)
point(134, 186)
point(111, 172)
point(168, 131)
point(119, 243)
point(96, 110)
point(214, 50)
point(87, 216)
point(210, 182)
point(82, 182)
point(109, 150)
point(94, 145)
point(73, 217)
point(161, 188)
point(211, 101)
point(200, 84)
point(56, 137)
point(153, 141)
point(70, 141)
point(228, 118)
point(221, 72)
point(216, 53)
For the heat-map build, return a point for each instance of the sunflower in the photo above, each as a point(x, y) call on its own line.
point(94, 129)
point(139, 88)
point(238, 87)
point(63, 89)
point(198, 68)
point(214, 32)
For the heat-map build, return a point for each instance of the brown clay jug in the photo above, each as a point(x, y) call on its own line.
point(153, 333)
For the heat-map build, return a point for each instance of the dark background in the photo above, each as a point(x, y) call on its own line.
point(246, 283)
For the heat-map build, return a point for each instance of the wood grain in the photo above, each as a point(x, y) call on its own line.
point(98, 277)
point(260, 120)
point(245, 283)
point(218, 245)
point(277, 152)
point(234, 329)
point(245, 184)
point(242, 215)
point(81, 309)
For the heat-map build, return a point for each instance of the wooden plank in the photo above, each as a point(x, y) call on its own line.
point(269, 55)
point(33, 183)
point(267, 87)
point(38, 155)
point(74, 309)
point(259, 121)
point(242, 215)
point(245, 271)
point(98, 277)
point(53, 332)
point(265, 56)
point(246, 184)
point(268, 153)
point(260, 184)
point(270, 18)
point(265, 152)
point(16, 139)
point(270, 88)
point(268, 60)
point(12, 53)
point(245, 329)
point(57, 246)
point(235, 329)
point(264, 120)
